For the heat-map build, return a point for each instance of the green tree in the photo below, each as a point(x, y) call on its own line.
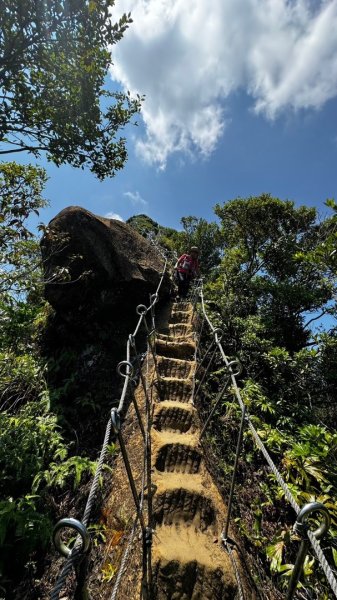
point(55, 56)
point(35, 457)
point(166, 237)
point(20, 267)
point(146, 226)
point(325, 253)
point(206, 236)
point(277, 278)
point(265, 271)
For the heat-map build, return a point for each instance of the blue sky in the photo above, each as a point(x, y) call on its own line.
point(241, 98)
point(293, 157)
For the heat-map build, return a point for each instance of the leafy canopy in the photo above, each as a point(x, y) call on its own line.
point(277, 277)
point(267, 269)
point(196, 232)
point(35, 461)
point(54, 57)
point(207, 237)
point(20, 269)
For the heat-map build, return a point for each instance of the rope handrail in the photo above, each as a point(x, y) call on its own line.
point(288, 495)
point(76, 553)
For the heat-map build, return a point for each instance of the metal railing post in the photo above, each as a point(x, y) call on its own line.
point(224, 535)
point(133, 345)
point(205, 373)
point(139, 417)
point(219, 397)
point(205, 355)
point(231, 373)
point(116, 425)
point(153, 351)
point(301, 527)
point(81, 570)
point(215, 333)
point(128, 374)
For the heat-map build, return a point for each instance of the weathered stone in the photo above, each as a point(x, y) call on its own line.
point(111, 268)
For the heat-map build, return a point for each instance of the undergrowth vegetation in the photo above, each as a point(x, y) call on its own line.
point(275, 284)
point(270, 275)
point(37, 459)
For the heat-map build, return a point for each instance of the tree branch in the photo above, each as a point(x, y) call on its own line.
point(26, 149)
point(315, 318)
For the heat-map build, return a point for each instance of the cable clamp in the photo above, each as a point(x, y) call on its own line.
point(218, 334)
point(115, 420)
point(228, 543)
point(148, 537)
point(223, 539)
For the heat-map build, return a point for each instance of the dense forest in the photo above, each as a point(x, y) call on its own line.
point(269, 272)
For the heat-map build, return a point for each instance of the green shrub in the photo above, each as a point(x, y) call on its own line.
point(21, 379)
point(30, 440)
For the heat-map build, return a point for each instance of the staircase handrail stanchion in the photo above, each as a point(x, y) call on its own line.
point(224, 535)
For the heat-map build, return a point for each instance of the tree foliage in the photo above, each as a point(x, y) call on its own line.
point(207, 237)
point(55, 56)
point(266, 244)
point(146, 226)
point(166, 237)
point(34, 451)
point(276, 281)
point(21, 189)
point(196, 232)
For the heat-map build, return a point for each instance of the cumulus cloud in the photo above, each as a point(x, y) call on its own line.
point(136, 198)
point(188, 57)
point(112, 215)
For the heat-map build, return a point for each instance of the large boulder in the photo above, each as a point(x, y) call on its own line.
point(97, 268)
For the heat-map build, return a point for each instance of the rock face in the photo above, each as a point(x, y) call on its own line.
point(95, 267)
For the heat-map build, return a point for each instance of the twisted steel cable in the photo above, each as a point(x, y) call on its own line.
point(273, 468)
point(236, 572)
point(76, 551)
point(314, 543)
point(122, 568)
point(323, 562)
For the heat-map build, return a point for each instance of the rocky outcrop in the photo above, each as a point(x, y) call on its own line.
point(95, 266)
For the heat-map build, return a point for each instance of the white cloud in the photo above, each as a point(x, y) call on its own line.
point(112, 215)
point(188, 57)
point(136, 198)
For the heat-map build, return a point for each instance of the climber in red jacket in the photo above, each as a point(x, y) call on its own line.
point(187, 267)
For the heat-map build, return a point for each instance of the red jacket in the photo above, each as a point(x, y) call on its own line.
point(188, 265)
